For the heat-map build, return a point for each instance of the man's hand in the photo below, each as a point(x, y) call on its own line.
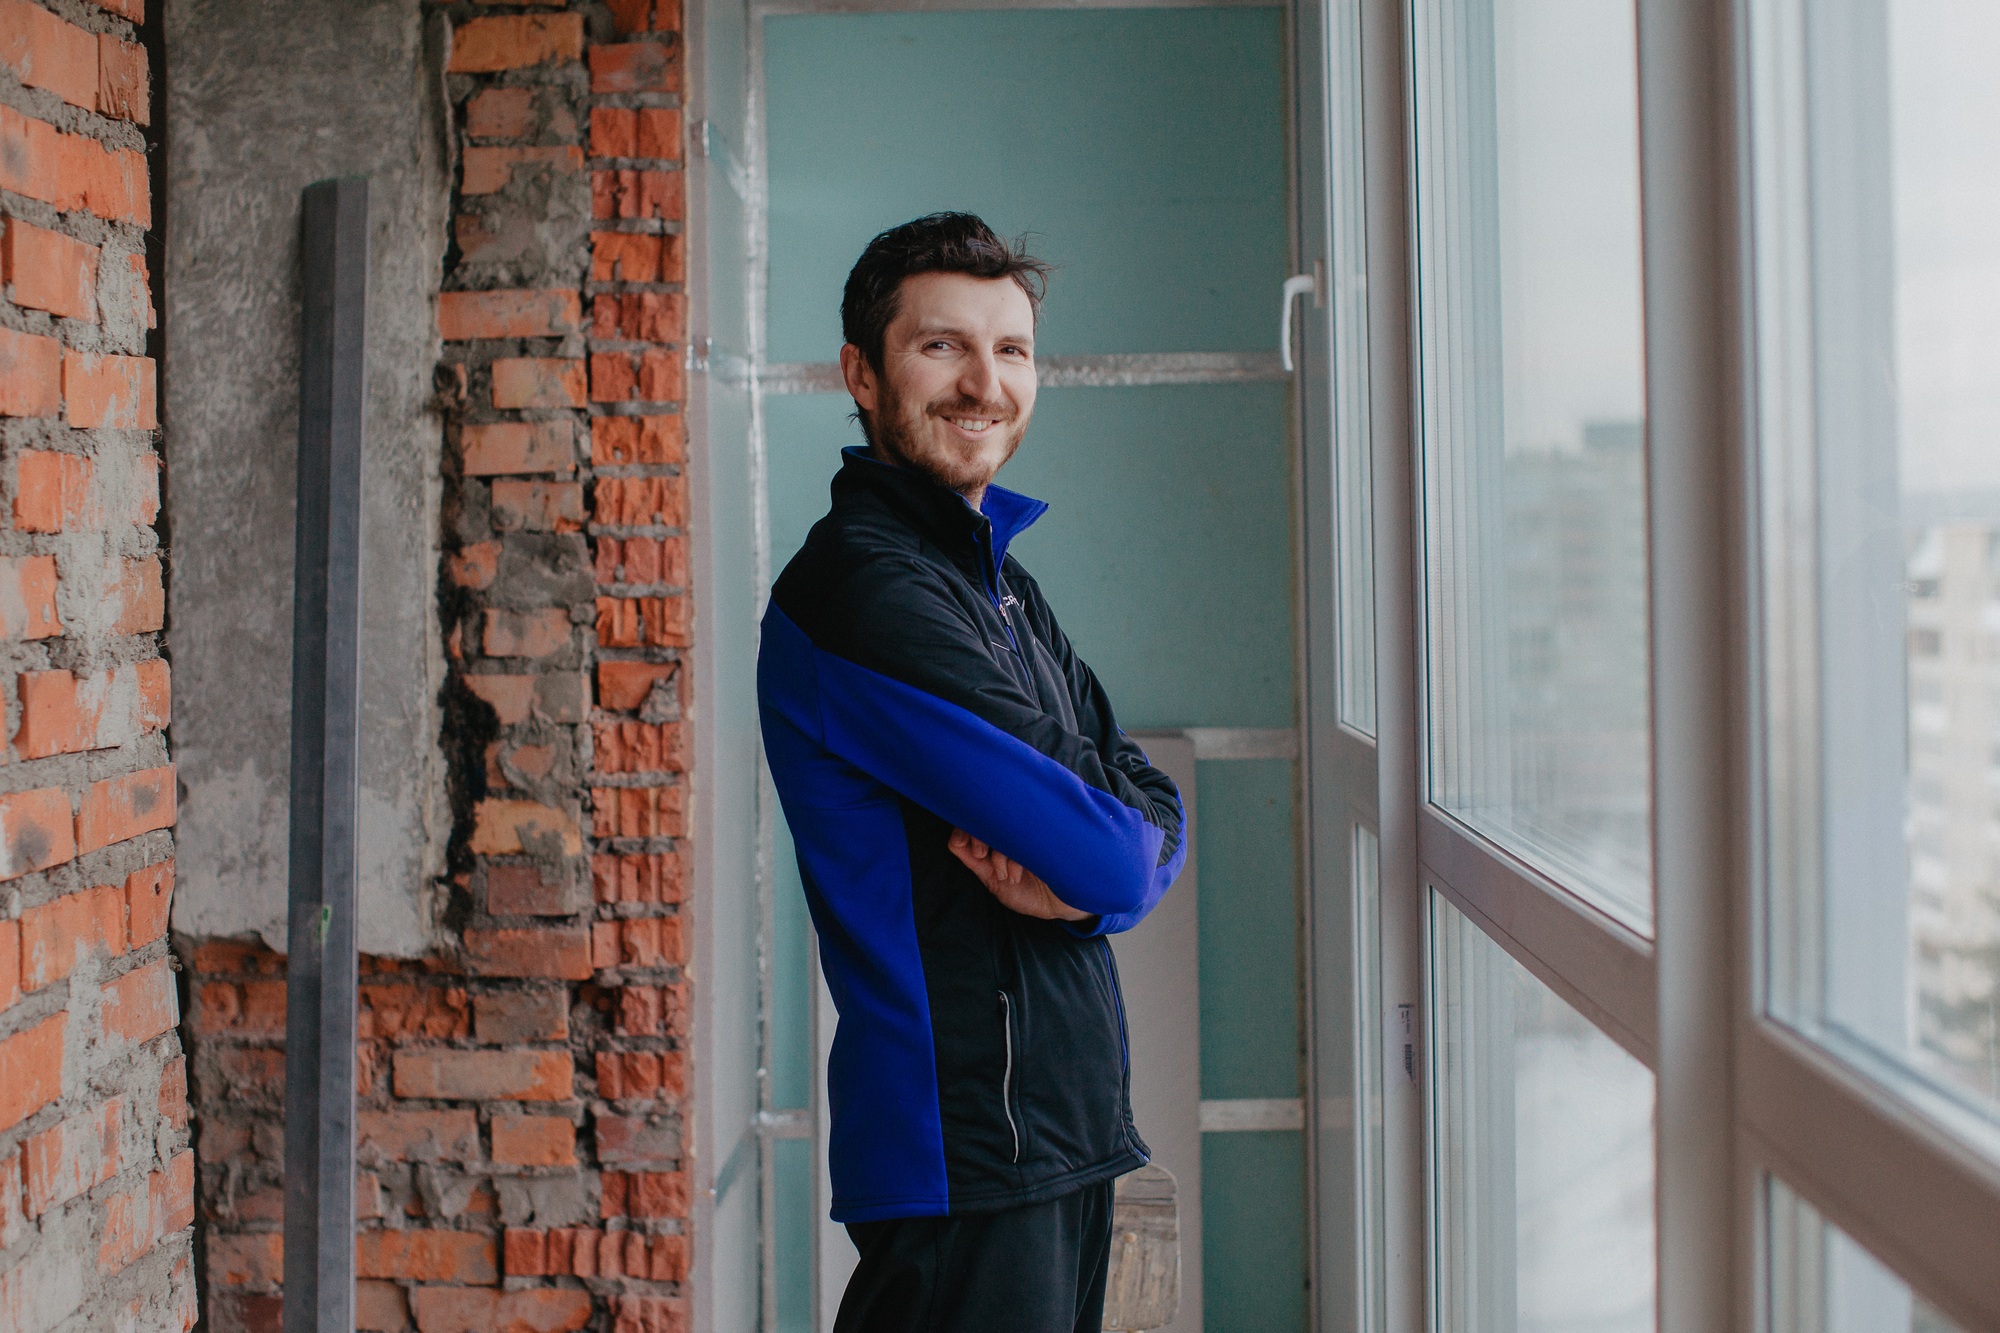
point(1010, 881)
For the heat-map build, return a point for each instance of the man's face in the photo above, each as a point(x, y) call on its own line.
point(957, 383)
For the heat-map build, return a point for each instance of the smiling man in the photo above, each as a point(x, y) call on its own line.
point(971, 824)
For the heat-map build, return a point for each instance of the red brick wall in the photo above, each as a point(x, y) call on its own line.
point(523, 1091)
point(96, 1176)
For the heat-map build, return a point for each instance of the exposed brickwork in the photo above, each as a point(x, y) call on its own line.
point(523, 1091)
point(96, 1169)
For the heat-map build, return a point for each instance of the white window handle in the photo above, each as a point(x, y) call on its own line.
point(1299, 284)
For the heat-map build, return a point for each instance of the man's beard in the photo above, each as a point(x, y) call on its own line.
point(897, 431)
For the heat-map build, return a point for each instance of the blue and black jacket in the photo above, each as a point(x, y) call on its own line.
point(912, 680)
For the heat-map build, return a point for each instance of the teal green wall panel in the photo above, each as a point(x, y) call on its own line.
point(1249, 929)
point(795, 1222)
point(1144, 148)
point(1253, 1229)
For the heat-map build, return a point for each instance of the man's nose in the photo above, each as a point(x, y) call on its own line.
point(981, 378)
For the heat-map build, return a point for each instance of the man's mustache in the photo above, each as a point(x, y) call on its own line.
point(973, 407)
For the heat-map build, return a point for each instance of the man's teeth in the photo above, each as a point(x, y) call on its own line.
point(971, 423)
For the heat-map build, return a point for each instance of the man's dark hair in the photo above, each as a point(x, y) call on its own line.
point(939, 243)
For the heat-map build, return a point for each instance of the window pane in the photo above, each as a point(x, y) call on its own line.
point(1353, 477)
point(1879, 278)
point(1533, 420)
point(1822, 1282)
point(1544, 1153)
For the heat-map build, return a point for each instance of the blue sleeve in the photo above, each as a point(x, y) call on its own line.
point(989, 760)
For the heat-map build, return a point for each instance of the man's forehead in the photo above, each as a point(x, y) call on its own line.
point(959, 301)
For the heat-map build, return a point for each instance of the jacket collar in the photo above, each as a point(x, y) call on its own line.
point(941, 514)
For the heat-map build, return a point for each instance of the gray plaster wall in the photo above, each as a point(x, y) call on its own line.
point(264, 97)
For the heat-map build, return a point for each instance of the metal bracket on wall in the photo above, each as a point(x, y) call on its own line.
point(321, 971)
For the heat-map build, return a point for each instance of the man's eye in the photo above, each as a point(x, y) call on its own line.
point(938, 346)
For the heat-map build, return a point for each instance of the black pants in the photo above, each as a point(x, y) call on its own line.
point(1038, 1269)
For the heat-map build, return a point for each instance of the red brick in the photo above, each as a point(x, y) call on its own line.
point(629, 193)
point(643, 622)
point(538, 381)
point(61, 714)
point(59, 934)
point(627, 685)
point(489, 170)
point(255, 1259)
point(630, 256)
point(510, 314)
point(510, 696)
point(537, 506)
point(654, 877)
point(36, 832)
point(651, 377)
point(553, 952)
point(525, 1252)
point(134, 1222)
point(630, 16)
point(646, 560)
point(526, 633)
point(644, 1194)
point(140, 1005)
point(71, 171)
point(614, 132)
point(30, 365)
point(396, 1012)
point(237, 958)
point(149, 895)
point(141, 598)
point(514, 1016)
point(659, 317)
point(639, 811)
point(634, 67)
point(533, 1140)
point(642, 501)
point(474, 566)
point(638, 1012)
point(124, 87)
point(484, 1310)
point(650, 941)
point(124, 807)
point(240, 1009)
point(640, 747)
point(13, 1222)
point(534, 1076)
point(10, 972)
point(48, 270)
point(379, 1307)
point(488, 45)
point(520, 890)
point(72, 1157)
point(45, 52)
point(31, 1070)
point(28, 597)
point(501, 113)
point(649, 1314)
point(54, 491)
point(616, 440)
point(427, 1256)
point(174, 1093)
point(113, 391)
point(419, 1136)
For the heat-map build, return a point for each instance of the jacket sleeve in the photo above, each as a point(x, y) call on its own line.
point(1119, 752)
point(905, 689)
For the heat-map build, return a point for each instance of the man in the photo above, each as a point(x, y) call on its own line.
point(970, 822)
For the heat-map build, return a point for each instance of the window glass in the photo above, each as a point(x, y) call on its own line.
point(1533, 422)
point(1544, 1169)
point(1353, 477)
point(1822, 1282)
point(1878, 171)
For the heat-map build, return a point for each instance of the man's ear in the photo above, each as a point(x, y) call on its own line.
point(860, 377)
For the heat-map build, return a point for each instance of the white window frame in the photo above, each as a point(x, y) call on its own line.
point(1741, 1097)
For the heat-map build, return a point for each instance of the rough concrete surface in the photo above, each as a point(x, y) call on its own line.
point(265, 97)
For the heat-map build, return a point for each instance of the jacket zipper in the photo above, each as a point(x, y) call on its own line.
point(1007, 1073)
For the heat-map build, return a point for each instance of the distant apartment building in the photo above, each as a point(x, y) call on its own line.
point(1953, 820)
